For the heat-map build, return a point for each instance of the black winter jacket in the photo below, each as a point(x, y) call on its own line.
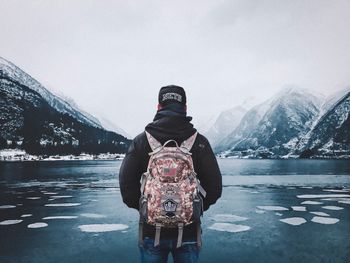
point(163, 128)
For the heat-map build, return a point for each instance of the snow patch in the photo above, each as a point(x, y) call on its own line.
point(96, 228)
point(227, 227)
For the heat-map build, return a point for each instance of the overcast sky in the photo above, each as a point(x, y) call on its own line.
point(112, 57)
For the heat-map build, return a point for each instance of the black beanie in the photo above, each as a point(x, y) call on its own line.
point(172, 94)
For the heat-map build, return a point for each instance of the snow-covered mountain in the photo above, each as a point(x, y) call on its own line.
point(98, 118)
point(275, 126)
point(330, 136)
point(9, 70)
point(224, 124)
point(34, 119)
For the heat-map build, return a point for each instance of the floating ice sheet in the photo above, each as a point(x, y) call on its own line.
point(7, 206)
point(63, 204)
point(272, 208)
point(37, 225)
point(311, 203)
point(319, 213)
point(299, 208)
point(92, 215)
point(59, 217)
point(258, 211)
point(227, 227)
point(60, 196)
point(323, 196)
point(228, 218)
point(26, 215)
point(325, 220)
point(10, 222)
point(96, 228)
point(344, 202)
point(336, 190)
point(332, 207)
point(278, 214)
point(295, 221)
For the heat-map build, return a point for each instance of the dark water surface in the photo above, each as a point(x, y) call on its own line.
point(73, 197)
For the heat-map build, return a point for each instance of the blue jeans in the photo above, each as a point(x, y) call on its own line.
point(187, 253)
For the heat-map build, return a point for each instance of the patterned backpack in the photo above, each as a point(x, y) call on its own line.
point(170, 191)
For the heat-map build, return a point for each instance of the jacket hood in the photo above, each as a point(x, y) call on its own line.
point(171, 125)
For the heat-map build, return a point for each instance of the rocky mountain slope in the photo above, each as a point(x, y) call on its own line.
point(274, 127)
point(34, 119)
point(225, 123)
point(330, 136)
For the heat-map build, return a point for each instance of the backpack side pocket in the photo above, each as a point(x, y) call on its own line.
point(143, 208)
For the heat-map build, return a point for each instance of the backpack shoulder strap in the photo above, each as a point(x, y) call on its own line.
point(187, 144)
point(152, 141)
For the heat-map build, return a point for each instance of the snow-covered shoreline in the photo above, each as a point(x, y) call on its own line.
point(21, 155)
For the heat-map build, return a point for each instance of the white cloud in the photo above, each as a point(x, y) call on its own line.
point(112, 57)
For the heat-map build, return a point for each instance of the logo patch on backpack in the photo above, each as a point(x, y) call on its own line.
point(170, 207)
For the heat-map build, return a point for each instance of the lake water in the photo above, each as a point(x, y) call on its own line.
point(270, 211)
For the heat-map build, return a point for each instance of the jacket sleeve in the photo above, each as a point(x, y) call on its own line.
point(129, 177)
point(209, 174)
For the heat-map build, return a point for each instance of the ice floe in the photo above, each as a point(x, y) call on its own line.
point(299, 208)
point(272, 208)
point(10, 222)
point(37, 225)
point(33, 198)
point(295, 221)
point(344, 202)
point(60, 196)
point(319, 213)
point(323, 196)
point(311, 203)
point(50, 193)
point(227, 227)
point(59, 217)
point(228, 218)
point(92, 215)
point(325, 220)
point(332, 207)
point(96, 228)
point(7, 206)
point(63, 204)
point(258, 211)
point(26, 215)
point(336, 190)
point(278, 214)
